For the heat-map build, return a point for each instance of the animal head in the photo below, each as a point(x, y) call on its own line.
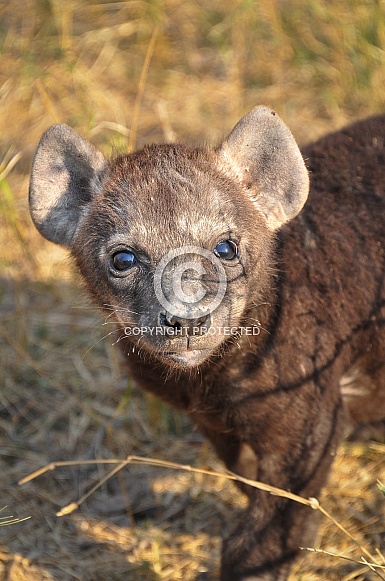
point(176, 240)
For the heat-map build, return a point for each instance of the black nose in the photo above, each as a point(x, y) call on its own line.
point(182, 326)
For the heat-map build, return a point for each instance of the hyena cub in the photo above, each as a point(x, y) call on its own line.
point(268, 331)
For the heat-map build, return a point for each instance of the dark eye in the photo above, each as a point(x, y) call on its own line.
point(123, 260)
point(226, 250)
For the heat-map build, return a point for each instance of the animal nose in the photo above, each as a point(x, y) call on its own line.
point(183, 326)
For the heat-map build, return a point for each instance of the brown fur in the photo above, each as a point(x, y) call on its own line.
point(270, 404)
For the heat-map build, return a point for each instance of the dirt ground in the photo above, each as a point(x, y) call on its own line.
point(64, 398)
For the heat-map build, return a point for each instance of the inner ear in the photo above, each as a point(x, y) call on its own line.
point(263, 154)
point(67, 172)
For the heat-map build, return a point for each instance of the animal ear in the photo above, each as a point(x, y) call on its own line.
point(67, 172)
point(265, 157)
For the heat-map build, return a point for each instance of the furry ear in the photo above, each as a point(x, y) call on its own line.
point(67, 172)
point(264, 155)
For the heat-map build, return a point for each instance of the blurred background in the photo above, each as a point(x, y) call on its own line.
point(123, 74)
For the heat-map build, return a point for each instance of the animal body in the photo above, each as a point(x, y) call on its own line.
point(198, 249)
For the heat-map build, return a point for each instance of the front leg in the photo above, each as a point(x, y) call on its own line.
point(272, 529)
point(266, 541)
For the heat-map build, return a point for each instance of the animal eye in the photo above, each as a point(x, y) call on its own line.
point(226, 250)
point(123, 260)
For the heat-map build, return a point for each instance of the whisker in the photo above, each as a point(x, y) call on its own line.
point(119, 308)
point(124, 336)
point(99, 341)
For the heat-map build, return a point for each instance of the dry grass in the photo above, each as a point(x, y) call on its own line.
point(320, 64)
